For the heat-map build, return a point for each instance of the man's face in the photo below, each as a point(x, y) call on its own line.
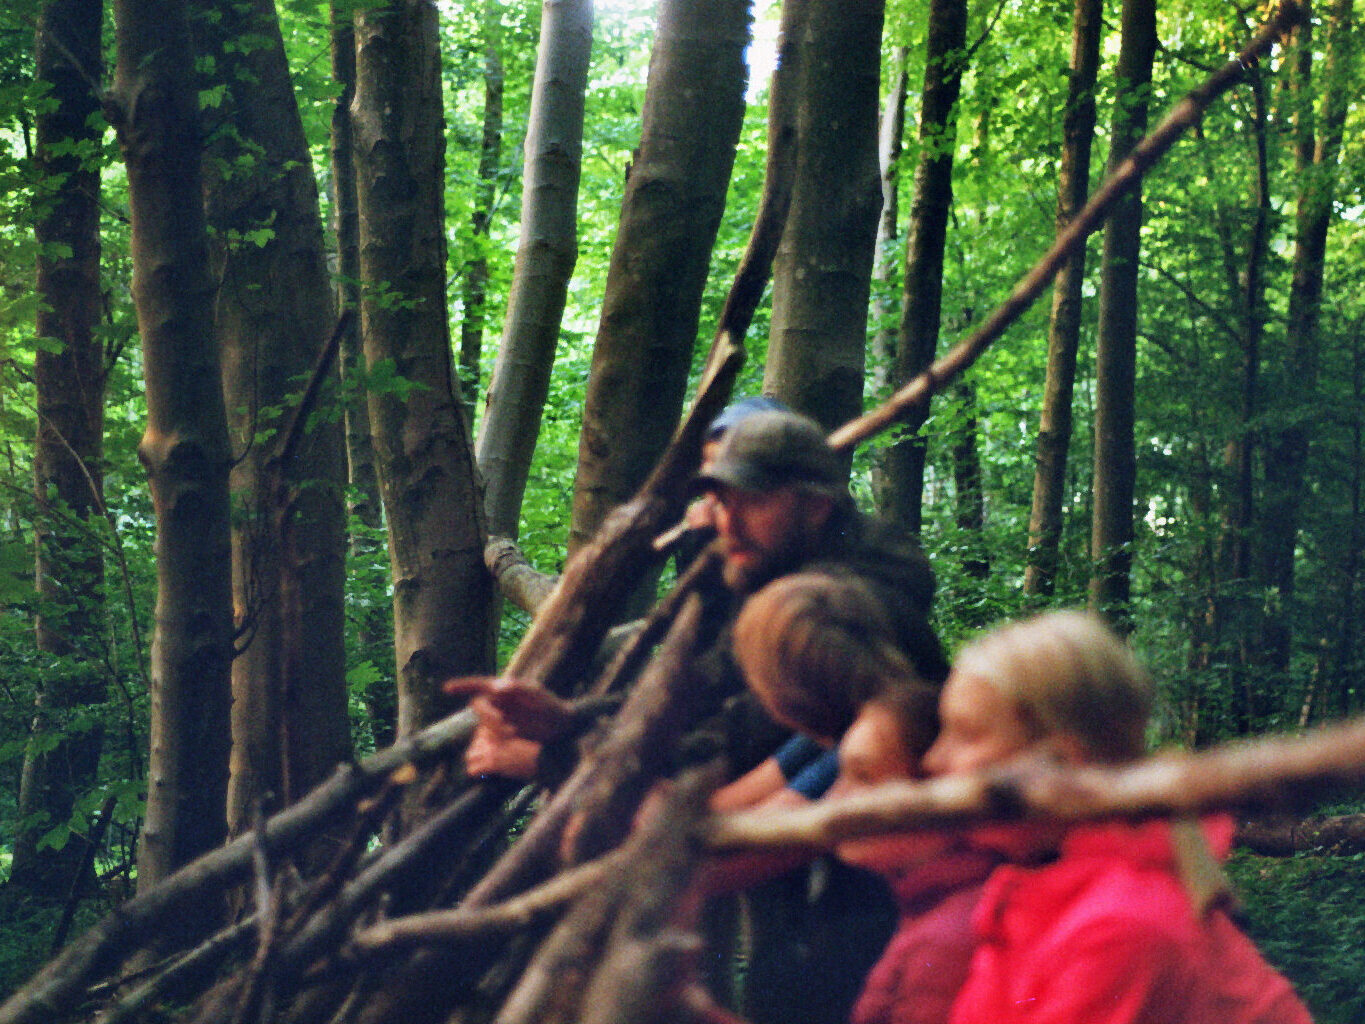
point(765, 533)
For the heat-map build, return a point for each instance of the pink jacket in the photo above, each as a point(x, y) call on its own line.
point(1106, 935)
point(926, 960)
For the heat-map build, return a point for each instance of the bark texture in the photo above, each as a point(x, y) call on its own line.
point(545, 257)
point(475, 282)
point(1115, 473)
point(675, 196)
point(273, 316)
point(185, 446)
point(1064, 325)
point(365, 505)
point(823, 271)
point(373, 634)
point(68, 375)
point(443, 595)
point(890, 140)
point(1318, 141)
point(899, 483)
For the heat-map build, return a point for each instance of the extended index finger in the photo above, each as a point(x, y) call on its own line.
point(469, 686)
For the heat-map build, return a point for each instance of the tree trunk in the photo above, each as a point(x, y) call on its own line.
point(1346, 696)
point(1111, 534)
point(68, 470)
point(273, 316)
point(1317, 156)
point(365, 505)
point(970, 499)
point(884, 277)
point(675, 195)
point(1232, 617)
point(475, 283)
point(185, 446)
point(443, 597)
point(822, 275)
point(900, 483)
point(545, 259)
point(372, 634)
point(1064, 327)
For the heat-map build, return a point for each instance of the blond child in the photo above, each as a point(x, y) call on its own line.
point(1106, 932)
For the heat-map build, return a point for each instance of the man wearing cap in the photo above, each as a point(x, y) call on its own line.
point(780, 505)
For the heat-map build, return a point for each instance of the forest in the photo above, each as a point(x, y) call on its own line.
point(347, 347)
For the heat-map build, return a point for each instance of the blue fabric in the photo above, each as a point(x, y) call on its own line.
point(814, 780)
point(795, 754)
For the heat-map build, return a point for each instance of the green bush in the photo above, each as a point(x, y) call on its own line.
point(1307, 915)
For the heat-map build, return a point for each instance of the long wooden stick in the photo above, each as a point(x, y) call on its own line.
point(1271, 772)
point(1124, 179)
point(60, 985)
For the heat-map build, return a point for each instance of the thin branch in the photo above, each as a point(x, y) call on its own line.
point(1125, 178)
point(520, 581)
point(62, 984)
point(212, 951)
point(460, 925)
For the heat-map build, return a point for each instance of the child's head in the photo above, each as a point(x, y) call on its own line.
point(1063, 679)
point(814, 647)
point(886, 743)
point(889, 736)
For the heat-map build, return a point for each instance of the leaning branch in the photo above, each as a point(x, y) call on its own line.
point(55, 990)
point(1124, 179)
point(518, 580)
point(1272, 772)
point(460, 925)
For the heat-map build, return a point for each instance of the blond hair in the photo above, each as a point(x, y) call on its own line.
point(821, 645)
point(1068, 674)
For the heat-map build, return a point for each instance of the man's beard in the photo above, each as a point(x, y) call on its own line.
point(795, 549)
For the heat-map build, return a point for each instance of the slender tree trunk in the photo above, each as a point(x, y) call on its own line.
point(889, 144)
point(1346, 655)
point(1064, 326)
point(1111, 534)
point(68, 471)
point(185, 446)
point(475, 282)
point(970, 499)
point(1233, 608)
point(822, 275)
point(372, 634)
point(900, 483)
point(443, 595)
point(674, 199)
point(273, 315)
point(366, 505)
point(1318, 150)
point(545, 259)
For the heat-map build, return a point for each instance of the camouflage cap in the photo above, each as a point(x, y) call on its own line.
point(768, 450)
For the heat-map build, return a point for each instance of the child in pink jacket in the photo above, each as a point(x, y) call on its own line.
point(1104, 931)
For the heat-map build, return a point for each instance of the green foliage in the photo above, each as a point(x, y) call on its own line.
point(1300, 911)
point(1199, 214)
